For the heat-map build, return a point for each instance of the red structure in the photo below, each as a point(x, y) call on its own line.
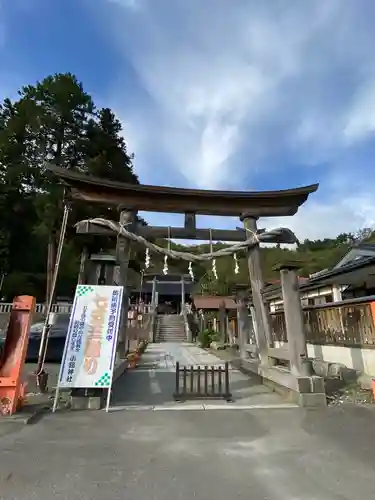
point(12, 388)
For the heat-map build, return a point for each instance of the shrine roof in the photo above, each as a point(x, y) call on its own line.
point(210, 302)
point(179, 200)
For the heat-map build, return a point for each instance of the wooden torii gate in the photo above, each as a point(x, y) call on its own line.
point(247, 206)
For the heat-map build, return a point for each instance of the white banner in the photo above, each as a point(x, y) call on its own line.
point(90, 346)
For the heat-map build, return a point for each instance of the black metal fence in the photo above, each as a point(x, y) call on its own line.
point(202, 382)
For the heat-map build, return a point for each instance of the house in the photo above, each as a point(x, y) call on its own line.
point(353, 276)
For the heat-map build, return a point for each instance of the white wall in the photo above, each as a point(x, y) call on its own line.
point(360, 359)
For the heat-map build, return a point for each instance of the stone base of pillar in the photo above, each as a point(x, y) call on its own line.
point(86, 403)
point(313, 400)
point(86, 399)
point(306, 391)
point(92, 398)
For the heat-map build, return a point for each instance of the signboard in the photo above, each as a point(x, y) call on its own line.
point(90, 346)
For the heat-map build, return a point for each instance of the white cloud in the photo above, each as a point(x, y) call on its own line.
point(128, 4)
point(219, 75)
point(236, 90)
point(232, 82)
point(361, 117)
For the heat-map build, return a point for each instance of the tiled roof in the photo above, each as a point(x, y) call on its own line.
point(213, 302)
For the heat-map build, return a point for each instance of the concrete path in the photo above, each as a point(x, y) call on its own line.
point(152, 384)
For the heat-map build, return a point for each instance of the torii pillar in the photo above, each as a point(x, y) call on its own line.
point(263, 331)
point(127, 219)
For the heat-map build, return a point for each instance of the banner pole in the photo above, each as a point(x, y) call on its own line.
point(114, 359)
point(57, 392)
point(108, 398)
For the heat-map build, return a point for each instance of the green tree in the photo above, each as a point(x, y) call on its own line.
point(55, 121)
point(105, 150)
point(61, 110)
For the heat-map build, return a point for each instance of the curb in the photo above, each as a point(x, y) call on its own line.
point(26, 418)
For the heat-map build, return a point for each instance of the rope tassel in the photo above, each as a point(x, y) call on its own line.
point(165, 268)
point(147, 259)
point(214, 270)
point(191, 272)
point(236, 266)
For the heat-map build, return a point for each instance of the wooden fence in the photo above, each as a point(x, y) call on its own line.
point(349, 323)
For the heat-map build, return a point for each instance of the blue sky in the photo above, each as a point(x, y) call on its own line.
point(221, 94)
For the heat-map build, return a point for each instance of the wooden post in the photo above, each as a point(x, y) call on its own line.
point(295, 327)
point(222, 322)
point(127, 219)
point(204, 321)
point(12, 389)
point(257, 284)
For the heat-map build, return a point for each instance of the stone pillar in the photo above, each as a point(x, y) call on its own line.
point(153, 293)
point(153, 310)
point(253, 326)
point(182, 294)
point(101, 269)
point(243, 326)
point(83, 267)
point(263, 333)
point(127, 219)
point(299, 364)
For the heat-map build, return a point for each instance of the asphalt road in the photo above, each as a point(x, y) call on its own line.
point(218, 454)
point(285, 454)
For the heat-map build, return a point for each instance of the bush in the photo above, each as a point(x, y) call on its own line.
point(142, 346)
point(205, 337)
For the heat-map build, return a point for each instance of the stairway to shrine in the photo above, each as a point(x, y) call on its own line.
point(170, 328)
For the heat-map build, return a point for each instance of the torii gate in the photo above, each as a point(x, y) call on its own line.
point(248, 206)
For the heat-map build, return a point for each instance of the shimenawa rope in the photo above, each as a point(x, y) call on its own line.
point(253, 240)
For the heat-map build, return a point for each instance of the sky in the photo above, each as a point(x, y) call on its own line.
point(221, 94)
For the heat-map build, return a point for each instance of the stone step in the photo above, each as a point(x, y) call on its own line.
point(171, 317)
point(176, 325)
point(171, 334)
point(172, 323)
point(170, 327)
point(170, 337)
point(182, 335)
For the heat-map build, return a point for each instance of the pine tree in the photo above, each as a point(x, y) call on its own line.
point(106, 150)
